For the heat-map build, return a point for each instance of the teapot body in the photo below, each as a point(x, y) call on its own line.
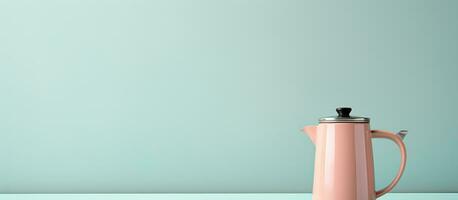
point(344, 166)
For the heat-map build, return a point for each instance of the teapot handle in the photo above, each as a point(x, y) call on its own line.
point(396, 138)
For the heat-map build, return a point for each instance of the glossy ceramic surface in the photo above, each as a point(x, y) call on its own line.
point(344, 167)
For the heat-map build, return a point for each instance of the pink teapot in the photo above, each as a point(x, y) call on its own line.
point(344, 167)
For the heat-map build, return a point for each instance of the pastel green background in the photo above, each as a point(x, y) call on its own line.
point(209, 95)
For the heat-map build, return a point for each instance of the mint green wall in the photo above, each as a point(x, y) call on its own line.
point(208, 96)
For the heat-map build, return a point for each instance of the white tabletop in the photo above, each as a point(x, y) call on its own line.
point(244, 196)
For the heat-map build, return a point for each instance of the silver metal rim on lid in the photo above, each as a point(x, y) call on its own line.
point(344, 117)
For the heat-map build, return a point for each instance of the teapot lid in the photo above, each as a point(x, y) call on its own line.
point(344, 117)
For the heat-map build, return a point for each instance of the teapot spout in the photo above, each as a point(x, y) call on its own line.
point(311, 132)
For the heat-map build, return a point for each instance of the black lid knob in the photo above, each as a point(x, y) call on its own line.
point(343, 111)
